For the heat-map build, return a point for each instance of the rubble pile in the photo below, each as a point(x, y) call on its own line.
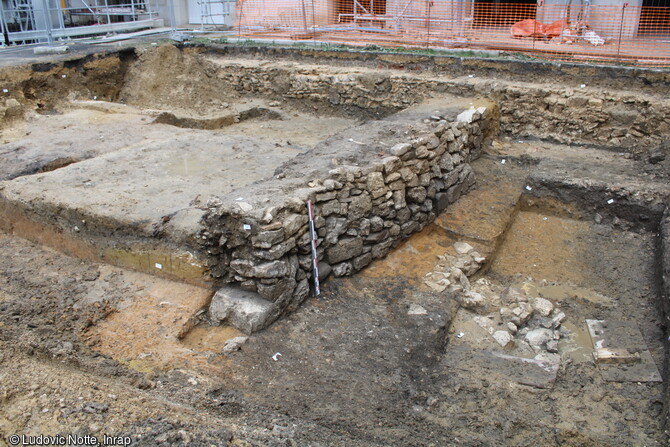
point(531, 326)
point(452, 272)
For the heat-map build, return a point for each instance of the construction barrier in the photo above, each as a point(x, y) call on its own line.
point(576, 31)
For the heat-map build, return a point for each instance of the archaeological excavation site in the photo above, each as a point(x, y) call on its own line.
point(215, 244)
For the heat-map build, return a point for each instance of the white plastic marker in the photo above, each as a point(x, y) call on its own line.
point(315, 260)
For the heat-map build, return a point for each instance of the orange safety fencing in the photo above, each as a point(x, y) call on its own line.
point(577, 31)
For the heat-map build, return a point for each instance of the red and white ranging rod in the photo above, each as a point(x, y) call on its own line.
point(315, 259)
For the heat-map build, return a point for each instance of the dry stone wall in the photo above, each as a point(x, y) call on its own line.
point(362, 208)
point(627, 121)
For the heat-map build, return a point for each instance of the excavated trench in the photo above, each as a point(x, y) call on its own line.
point(494, 248)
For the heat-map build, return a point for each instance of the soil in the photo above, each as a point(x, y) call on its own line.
point(90, 349)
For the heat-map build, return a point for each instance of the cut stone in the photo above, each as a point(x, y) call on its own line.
point(345, 249)
point(463, 248)
point(243, 310)
point(617, 345)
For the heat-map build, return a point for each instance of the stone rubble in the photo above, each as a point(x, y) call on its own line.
point(512, 318)
point(451, 272)
point(531, 325)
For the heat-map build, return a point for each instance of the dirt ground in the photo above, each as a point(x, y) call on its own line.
point(378, 359)
point(353, 367)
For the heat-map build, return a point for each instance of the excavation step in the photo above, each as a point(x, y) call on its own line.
point(484, 214)
point(49, 142)
point(213, 209)
point(139, 207)
point(480, 218)
point(597, 184)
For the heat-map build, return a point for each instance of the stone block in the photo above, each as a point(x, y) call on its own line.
point(293, 223)
point(377, 237)
point(441, 201)
point(391, 164)
point(504, 339)
point(400, 149)
point(375, 181)
point(376, 223)
point(335, 227)
point(276, 251)
point(333, 207)
point(360, 206)
point(393, 177)
point(380, 250)
point(344, 249)
point(246, 311)
point(342, 269)
point(266, 239)
point(361, 261)
point(275, 291)
point(326, 196)
point(416, 195)
point(300, 294)
point(543, 307)
point(399, 199)
point(247, 268)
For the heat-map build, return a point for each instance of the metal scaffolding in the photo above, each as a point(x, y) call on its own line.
point(43, 21)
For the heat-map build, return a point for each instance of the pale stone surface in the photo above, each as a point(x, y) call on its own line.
point(504, 339)
point(543, 307)
point(415, 309)
point(463, 248)
point(538, 338)
point(243, 310)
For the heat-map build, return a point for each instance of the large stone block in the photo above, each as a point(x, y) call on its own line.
point(244, 310)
